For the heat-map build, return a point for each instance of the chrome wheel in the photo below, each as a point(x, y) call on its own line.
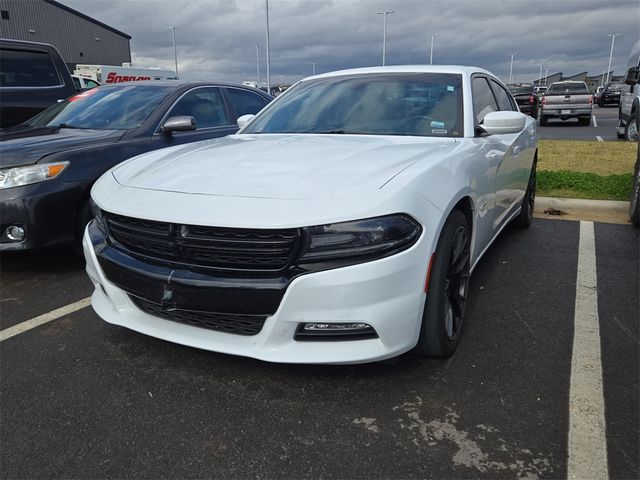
point(631, 133)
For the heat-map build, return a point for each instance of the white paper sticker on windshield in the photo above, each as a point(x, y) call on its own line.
point(435, 124)
point(450, 88)
point(440, 131)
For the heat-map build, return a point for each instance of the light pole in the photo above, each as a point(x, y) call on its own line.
point(257, 47)
point(268, 53)
point(433, 36)
point(613, 41)
point(384, 36)
point(175, 51)
point(313, 68)
point(540, 77)
point(511, 68)
point(546, 75)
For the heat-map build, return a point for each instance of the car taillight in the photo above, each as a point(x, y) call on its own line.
point(590, 99)
point(532, 100)
point(544, 100)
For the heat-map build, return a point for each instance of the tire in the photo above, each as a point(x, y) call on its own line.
point(634, 201)
point(584, 122)
point(525, 218)
point(543, 121)
point(631, 129)
point(442, 318)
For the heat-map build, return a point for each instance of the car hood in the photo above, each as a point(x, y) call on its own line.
point(25, 146)
point(296, 166)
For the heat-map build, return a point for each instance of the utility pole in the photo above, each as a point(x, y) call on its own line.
point(313, 68)
point(540, 77)
point(511, 68)
point(258, 64)
point(268, 52)
point(613, 41)
point(175, 51)
point(546, 75)
point(384, 36)
point(433, 36)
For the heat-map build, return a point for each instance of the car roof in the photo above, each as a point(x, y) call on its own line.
point(455, 69)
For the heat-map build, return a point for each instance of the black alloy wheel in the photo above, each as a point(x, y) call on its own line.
point(525, 218)
point(448, 290)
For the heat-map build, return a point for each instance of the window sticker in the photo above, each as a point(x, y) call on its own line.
point(450, 88)
point(440, 131)
point(435, 124)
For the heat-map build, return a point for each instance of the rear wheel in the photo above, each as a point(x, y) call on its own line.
point(442, 318)
point(543, 121)
point(584, 121)
point(525, 218)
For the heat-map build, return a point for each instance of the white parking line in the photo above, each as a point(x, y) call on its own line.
point(595, 122)
point(45, 318)
point(599, 138)
point(587, 428)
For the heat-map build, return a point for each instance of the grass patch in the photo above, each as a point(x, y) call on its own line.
point(600, 158)
point(566, 184)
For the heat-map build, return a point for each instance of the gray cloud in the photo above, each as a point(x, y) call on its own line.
point(216, 38)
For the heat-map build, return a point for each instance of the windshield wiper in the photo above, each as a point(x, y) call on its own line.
point(66, 125)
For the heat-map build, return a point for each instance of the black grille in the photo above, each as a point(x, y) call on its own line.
point(223, 322)
point(191, 245)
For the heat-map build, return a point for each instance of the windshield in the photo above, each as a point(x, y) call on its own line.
point(520, 89)
point(567, 89)
point(614, 87)
point(423, 104)
point(105, 108)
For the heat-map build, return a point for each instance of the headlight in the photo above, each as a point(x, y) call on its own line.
point(368, 239)
point(17, 176)
point(97, 216)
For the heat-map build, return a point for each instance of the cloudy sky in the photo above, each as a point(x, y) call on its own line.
point(216, 38)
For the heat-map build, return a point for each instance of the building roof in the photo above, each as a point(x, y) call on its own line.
point(88, 18)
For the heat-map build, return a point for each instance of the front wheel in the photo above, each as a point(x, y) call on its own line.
point(442, 318)
point(634, 201)
point(631, 130)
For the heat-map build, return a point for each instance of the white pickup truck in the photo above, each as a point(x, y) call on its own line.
point(629, 111)
point(565, 100)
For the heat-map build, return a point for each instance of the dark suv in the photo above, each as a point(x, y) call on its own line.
point(610, 94)
point(33, 77)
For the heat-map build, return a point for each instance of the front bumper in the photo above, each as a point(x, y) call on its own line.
point(386, 294)
point(46, 210)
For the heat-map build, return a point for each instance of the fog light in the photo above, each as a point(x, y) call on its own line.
point(334, 331)
point(14, 233)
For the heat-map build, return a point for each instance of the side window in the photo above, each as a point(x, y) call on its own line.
point(90, 83)
point(22, 68)
point(205, 105)
point(483, 99)
point(504, 99)
point(245, 102)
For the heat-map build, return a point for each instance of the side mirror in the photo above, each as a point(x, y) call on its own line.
point(496, 123)
point(181, 123)
point(244, 119)
point(633, 75)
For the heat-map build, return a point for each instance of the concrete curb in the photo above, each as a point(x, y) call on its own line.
point(606, 211)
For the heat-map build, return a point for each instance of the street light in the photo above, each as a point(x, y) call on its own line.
point(546, 75)
point(313, 68)
point(540, 77)
point(433, 36)
point(384, 36)
point(175, 51)
point(511, 68)
point(613, 41)
point(257, 47)
point(268, 52)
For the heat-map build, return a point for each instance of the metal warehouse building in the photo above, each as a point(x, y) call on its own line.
point(78, 37)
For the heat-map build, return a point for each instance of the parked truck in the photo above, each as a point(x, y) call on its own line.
point(629, 110)
point(565, 100)
point(113, 74)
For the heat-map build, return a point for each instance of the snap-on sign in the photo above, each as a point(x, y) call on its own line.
point(113, 77)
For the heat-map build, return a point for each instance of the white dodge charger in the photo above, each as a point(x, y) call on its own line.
point(339, 225)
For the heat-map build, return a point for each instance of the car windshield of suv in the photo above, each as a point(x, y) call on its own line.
point(614, 87)
point(567, 89)
point(520, 89)
point(422, 104)
point(105, 108)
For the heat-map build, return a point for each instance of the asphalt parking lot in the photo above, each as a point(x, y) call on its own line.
point(602, 127)
point(81, 398)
